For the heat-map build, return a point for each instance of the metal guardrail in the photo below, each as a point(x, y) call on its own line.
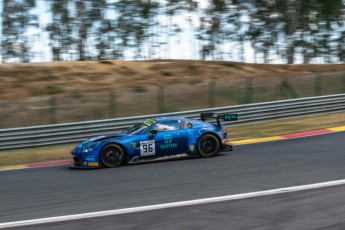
point(74, 132)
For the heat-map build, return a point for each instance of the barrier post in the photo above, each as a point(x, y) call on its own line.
point(52, 110)
point(248, 94)
point(112, 103)
point(286, 86)
point(211, 94)
point(160, 99)
point(317, 85)
point(283, 88)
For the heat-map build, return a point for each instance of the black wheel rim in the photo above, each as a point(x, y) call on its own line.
point(209, 145)
point(112, 157)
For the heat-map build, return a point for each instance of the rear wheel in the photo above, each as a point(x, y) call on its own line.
point(112, 155)
point(208, 145)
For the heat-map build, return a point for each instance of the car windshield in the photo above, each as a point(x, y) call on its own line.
point(138, 128)
point(165, 127)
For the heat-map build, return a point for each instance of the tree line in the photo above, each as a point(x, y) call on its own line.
point(303, 31)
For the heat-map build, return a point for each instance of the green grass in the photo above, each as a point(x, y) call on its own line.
point(33, 155)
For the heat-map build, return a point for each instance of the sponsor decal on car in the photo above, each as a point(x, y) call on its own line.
point(230, 117)
point(133, 144)
point(89, 158)
point(167, 139)
point(191, 148)
point(168, 142)
point(92, 164)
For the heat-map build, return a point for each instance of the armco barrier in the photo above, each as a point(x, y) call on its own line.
point(248, 113)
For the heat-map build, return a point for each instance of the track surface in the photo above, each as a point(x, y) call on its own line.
point(314, 209)
point(55, 191)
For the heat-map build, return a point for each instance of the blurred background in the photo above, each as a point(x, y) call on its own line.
point(63, 59)
point(261, 31)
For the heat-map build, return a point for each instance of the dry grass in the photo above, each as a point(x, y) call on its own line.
point(265, 129)
point(286, 126)
point(25, 80)
point(59, 92)
point(34, 155)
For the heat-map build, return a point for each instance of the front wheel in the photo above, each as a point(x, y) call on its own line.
point(208, 145)
point(112, 155)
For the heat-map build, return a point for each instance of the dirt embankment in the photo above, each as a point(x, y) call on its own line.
point(39, 79)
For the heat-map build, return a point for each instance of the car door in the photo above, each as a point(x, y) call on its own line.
point(169, 140)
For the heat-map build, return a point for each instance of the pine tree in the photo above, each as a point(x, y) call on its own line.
point(17, 18)
point(61, 30)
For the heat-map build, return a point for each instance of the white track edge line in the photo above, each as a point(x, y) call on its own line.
point(169, 205)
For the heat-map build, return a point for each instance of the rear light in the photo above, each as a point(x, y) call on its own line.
point(224, 130)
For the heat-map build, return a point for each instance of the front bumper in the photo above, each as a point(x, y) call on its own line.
point(79, 164)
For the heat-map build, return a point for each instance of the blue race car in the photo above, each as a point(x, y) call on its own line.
point(155, 139)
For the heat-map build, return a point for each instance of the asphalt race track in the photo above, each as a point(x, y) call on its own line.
point(56, 191)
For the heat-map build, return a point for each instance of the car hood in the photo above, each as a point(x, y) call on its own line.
point(107, 136)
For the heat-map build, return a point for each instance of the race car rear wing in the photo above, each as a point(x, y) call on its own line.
point(218, 116)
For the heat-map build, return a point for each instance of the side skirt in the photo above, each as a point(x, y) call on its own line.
point(137, 160)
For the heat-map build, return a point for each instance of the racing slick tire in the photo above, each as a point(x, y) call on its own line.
point(208, 145)
point(111, 156)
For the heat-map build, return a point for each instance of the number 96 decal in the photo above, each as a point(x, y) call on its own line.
point(147, 148)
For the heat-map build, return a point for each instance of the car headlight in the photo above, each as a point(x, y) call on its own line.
point(87, 150)
point(90, 147)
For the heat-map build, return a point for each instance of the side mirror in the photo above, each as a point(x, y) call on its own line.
point(153, 133)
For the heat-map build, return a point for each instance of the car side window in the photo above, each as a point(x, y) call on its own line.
point(167, 126)
point(186, 125)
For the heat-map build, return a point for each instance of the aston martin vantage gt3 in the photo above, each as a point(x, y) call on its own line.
point(155, 139)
